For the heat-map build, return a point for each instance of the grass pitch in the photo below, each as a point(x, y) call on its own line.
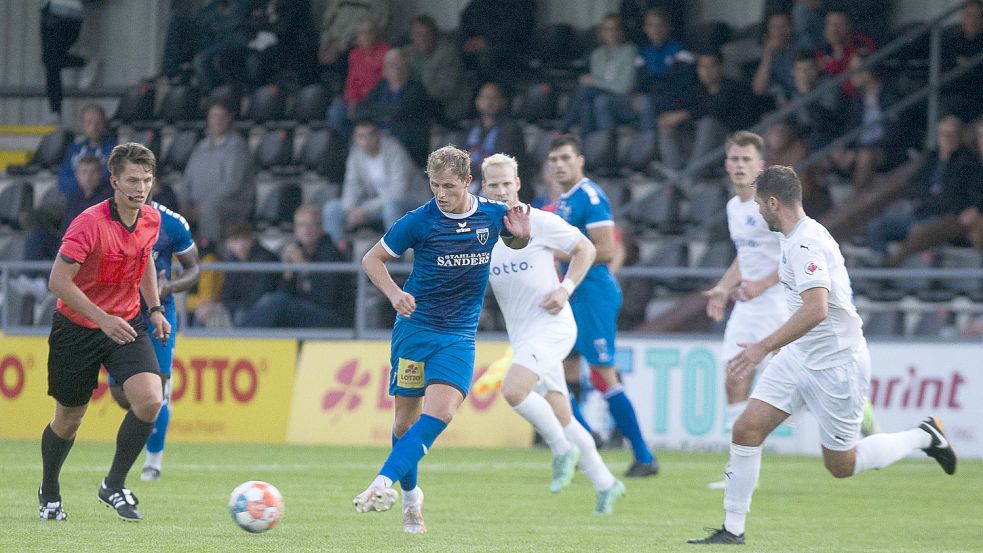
point(488, 500)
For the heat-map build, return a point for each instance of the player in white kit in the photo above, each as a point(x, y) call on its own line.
point(542, 330)
point(823, 364)
point(752, 279)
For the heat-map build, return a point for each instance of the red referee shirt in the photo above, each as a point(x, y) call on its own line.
point(112, 259)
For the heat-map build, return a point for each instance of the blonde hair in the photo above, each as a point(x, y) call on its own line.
point(500, 159)
point(449, 158)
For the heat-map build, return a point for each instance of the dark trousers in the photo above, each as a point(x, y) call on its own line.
point(281, 309)
point(57, 36)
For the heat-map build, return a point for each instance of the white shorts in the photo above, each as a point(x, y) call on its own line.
point(543, 352)
point(750, 322)
point(835, 396)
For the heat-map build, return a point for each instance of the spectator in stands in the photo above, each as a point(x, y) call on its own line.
point(179, 41)
point(95, 141)
point(92, 190)
point(306, 299)
point(774, 73)
point(381, 184)
point(240, 290)
point(494, 131)
point(807, 22)
point(666, 66)
point(964, 96)
point(712, 109)
point(364, 72)
point(865, 155)
point(950, 199)
point(400, 105)
point(339, 27)
point(436, 63)
point(634, 12)
point(61, 23)
point(282, 40)
point(496, 36)
point(971, 219)
point(217, 184)
point(841, 47)
point(819, 121)
point(221, 43)
point(785, 145)
point(602, 99)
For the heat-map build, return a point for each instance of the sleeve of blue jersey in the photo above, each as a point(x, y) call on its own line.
point(598, 210)
point(403, 235)
point(180, 231)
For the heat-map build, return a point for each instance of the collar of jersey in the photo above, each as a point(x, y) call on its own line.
point(797, 226)
point(575, 187)
point(114, 215)
point(465, 215)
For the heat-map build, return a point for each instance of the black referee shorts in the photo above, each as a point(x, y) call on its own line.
point(76, 352)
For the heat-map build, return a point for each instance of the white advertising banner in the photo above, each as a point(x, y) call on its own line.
point(677, 387)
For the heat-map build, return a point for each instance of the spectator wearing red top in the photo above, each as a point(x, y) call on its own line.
point(364, 72)
point(104, 264)
point(842, 45)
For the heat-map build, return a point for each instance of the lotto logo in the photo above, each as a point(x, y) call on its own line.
point(410, 374)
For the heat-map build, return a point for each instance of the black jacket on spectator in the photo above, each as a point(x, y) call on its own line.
point(241, 290)
point(405, 114)
point(937, 189)
point(78, 203)
point(734, 105)
point(503, 22)
point(334, 291)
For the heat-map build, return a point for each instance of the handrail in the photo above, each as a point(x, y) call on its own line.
point(824, 86)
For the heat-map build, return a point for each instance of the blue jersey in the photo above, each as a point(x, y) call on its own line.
point(585, 206)
point(174, 238)
point(451, 255)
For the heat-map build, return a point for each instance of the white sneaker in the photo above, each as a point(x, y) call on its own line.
point(375, 499)
point(149, 474)
point(413, 516)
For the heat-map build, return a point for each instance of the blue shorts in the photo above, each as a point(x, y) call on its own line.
point(164, 352)
point(597, 323)
point(420, 357)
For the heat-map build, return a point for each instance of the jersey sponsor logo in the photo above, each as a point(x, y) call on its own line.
point(750, 221)
point(462, 227)
point(482, 235)
point(410, 374)
point(463, 259)
point(811, 268)
point(745, 243)
point(509, 268)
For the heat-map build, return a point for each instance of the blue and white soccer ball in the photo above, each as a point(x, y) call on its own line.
point(256, 506)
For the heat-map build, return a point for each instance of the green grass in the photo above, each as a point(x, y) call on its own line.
point(488, 500)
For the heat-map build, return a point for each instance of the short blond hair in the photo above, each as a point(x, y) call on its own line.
point(449, 158)
point(500, 159)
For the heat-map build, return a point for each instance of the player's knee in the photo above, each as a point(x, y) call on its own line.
point(116, 390)
point(147, 409)
point(839, 468)
point(745, 432)
point(513, 392)
point(67, 426)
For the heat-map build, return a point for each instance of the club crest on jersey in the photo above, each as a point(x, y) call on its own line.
point(811, 268)
point(462, 227)
point(482, 235)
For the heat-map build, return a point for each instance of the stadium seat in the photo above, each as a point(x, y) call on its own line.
point(707, 204)
point(12, 246)
point(718, 254)
point(539, 103)
point(50, 197)
point(640, 151)
point(553, 46)
point(672, 254)
point(16, 202)
point(180, 103)
point(266, 104)
point(48, 155)
point(149, 138)
point(915, 285)
point(274, 148)
point(182, 145)
point(658, 210)
point(932, 323)
point(884, 323)
point(136, 106)
point(324, 154)
point(708, 36)
point(226, 93)
point(310, 105)
point(962, 258)
point(599, 151)
point(277, 208)
point(539, 150)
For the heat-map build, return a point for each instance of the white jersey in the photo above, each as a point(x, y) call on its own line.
point(758, 251)
point(521, 279)
point(811, 258)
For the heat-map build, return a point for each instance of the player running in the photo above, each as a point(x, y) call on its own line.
point(597, 300)
point(174, 240)
point(437, 310)
point(542, 331)
point(823, 364)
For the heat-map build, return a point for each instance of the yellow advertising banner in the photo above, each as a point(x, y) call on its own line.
point(342, 397)
point(223, 390)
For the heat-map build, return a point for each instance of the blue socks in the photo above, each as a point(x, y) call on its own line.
point(411, 447)
point(624, 417)
point(407, 482)
point(575, 407)
point(155, 444)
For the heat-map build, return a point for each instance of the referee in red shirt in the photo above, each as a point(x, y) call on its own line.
point(104, 263)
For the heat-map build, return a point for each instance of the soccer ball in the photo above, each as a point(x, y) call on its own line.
point(256, 506)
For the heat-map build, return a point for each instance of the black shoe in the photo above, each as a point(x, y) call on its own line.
point(940, 450)
point(639, 469)
point(719, 536)
point(51, 510)
point(122, 500)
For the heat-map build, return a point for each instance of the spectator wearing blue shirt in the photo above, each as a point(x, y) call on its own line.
point(95, 142)
point(400, 105)
point(666, 65)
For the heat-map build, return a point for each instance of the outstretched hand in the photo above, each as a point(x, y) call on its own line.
point(517, 221)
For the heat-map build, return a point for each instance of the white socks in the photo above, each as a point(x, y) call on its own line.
point(590, 460)
point(880, 450)
point(412, 497)
point(154, 460)
point(731, 413)
point(741, 476)
point(381, 482)
point(539, 413)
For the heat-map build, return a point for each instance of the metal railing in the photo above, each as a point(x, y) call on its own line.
point(364, 291)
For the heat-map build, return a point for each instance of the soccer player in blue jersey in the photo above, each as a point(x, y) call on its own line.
point(597, 299)
point(437, 310)
point(174, 240)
